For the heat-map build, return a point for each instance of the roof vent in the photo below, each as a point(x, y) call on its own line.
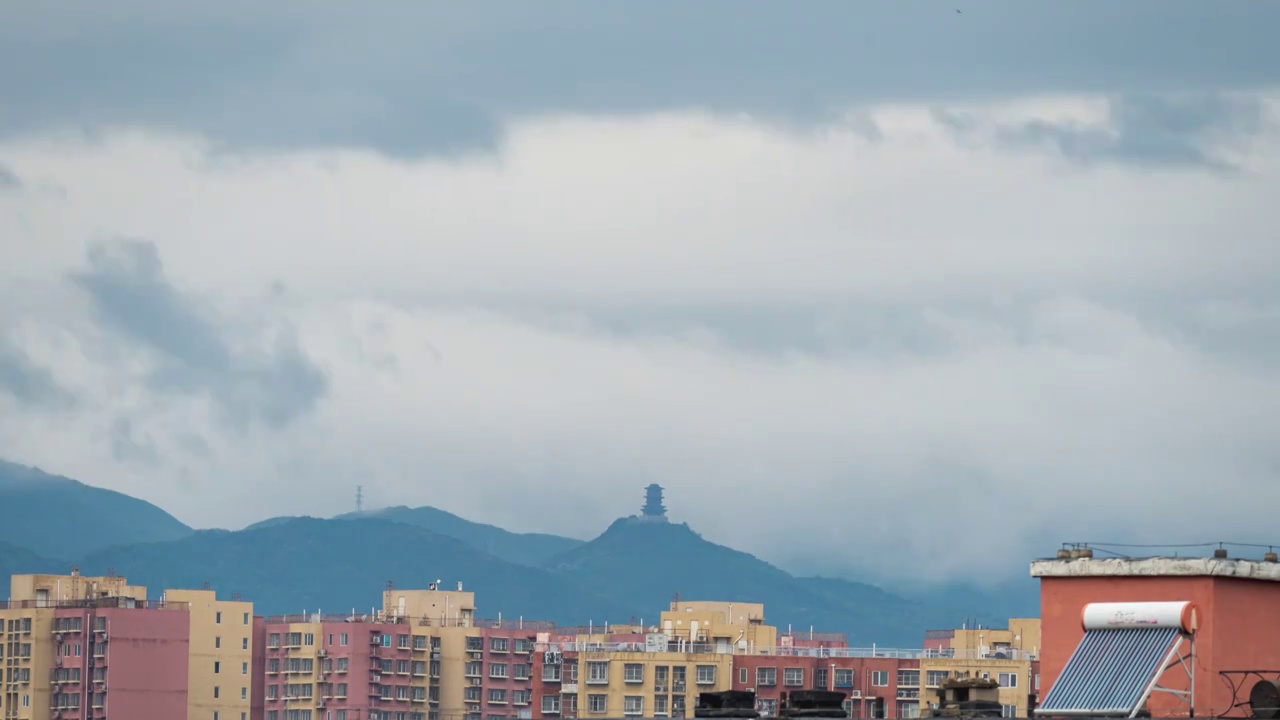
point(1270, 556)
point(1220, 553)
point(1063, 553)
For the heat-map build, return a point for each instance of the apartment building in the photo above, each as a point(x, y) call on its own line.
point(78, 647)
point(220, 665)
point(484, 667)
point(346, 667)
point(878, 684)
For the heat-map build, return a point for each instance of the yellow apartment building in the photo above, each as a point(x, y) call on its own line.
point(29, 647)
point(724, 626)
point(616, 683)
point(220, 669)
point(447, 617)
point(1007, 655)
point(1021, 637)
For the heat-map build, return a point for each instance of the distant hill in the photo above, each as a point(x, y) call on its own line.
point(15, 560)
point(647, 563)
point(525, 548)
point(55, 516)
point(291, 564)
point(337, 565)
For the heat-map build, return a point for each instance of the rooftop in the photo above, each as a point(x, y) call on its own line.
point(1156, 566)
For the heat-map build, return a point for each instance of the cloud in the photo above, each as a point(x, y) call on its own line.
point(1198, 131)
point(29, 383)
point(812, 338)
point(127, 447)
point(9, 180)
point(126, 282)
point(444, 77)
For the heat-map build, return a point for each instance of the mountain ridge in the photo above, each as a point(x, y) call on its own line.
point(630, 570)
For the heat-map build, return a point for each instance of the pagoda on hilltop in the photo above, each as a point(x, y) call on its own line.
point(653, 510)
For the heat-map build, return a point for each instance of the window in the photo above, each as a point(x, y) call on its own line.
point(497, 644)
point(909, 677)
point(521, 671)
point(246, 618)
point(934, 678)
point(550, 673)
point(596, 703)
point(632, 705)
point(217, 667)
point(633, 673)
point(402, 642)
point(419, 668)
point(244, 643)
point(244, 668)
point(419, 642)
point(879, 678)
point(273, 640)
point(521, 697)
point(402, 667)
point(342, 639)
point(497, 695)
point(217, 618)
point(598, 673)
point(1037, 681)
point(706, 675)
point(793, 677)
point(821, 678)
point(244, 693)
point(1008, 680)
point(309, 639)
point(742, 676)
point(766, 676)
point(767, 707)
point(497, 670)
point(908, 709)
point(660, 705)
point(550, 704)
point(844, 678)
point(474, 668)
point(1009, 711)
point(217, 641)
point(215, 691)
point(475, 644)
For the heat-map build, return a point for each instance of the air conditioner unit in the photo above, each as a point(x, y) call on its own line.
point(320, 704)
point(855, 694)
point(322, 652)
point(375, 640)
point(475, 682)
point(477, 655)
point(58, 662)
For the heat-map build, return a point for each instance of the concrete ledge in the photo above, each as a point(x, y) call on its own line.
point(1156, 567)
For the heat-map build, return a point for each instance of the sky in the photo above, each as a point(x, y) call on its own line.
point(885, 289)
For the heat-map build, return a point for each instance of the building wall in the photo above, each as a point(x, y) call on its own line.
point(874, 685)
point(727, 626)
point(1017, 678)
point(657, 682)
point(1237, 627)
point(146, 659)
point(220, 679)
point(26, 644)
point(64, 588)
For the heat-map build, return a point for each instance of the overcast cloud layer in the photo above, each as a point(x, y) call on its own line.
point(847, 282)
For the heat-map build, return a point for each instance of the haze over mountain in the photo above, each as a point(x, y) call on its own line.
point(56, 516)
point(631, 570)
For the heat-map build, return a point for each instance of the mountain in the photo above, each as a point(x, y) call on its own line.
point(61, 517)
point(646, 563)
point(16, 560)
point(526, 548)
point(336, 565)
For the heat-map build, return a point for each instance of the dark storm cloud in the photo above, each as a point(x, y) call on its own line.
point(128, 446)
point(126, 282)
point(29, 383)
point(442, 76)
point(9, 180)
point(1158, 131)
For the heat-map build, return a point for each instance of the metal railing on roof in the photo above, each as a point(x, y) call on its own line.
point(788, 651)
point(121, 603)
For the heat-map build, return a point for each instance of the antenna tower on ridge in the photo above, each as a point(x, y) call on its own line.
point(359, 499)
